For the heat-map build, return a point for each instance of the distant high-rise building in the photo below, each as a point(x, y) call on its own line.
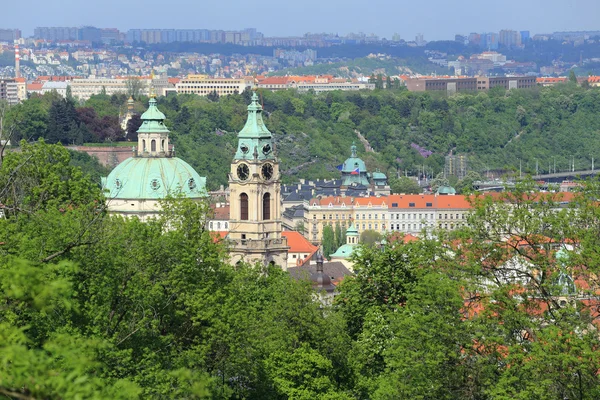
point(489, 41)
point(9, 35)
point(55, 33)
point(396, 37)
point(110, 35)
point(475, 38)
point(460, 39)
point(509, 38)
point(419, 40)
point(90, 34)
point(525, 37)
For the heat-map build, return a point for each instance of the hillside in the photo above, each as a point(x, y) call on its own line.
point(497, 129)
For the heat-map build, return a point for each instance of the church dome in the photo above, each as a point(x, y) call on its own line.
point(353, 162)
point(446, 190)
point(153, 172)
point(154, 178)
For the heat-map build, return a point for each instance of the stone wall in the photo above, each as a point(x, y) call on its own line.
point(109, 156)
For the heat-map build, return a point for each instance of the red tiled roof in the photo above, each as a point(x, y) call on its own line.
point(221, 213)
point(373, 200)
point(298, 243)
point(218, 235)
point(35, 86)
point(397, 236)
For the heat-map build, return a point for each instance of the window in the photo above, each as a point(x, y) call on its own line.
point(266, 206)
point(429, 204)
point(411, 204)
point(153, 145)
point(376, 216)
point(375, 226)
point(244, 207)
point(394, 205)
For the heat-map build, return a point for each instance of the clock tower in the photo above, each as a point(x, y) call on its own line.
point(255, 205)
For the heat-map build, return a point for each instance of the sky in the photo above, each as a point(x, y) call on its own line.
point(435, 19)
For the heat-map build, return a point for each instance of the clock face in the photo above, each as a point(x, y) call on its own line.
point(243, 172)
point(267, 171)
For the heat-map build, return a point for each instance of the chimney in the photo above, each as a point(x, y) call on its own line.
point(17, 62)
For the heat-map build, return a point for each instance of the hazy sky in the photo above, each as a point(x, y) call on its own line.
point(436, 19)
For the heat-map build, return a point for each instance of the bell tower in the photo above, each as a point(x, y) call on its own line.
point(255, 205)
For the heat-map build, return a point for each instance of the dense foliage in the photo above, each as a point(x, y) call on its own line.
point(409, 132)
point(95, 306)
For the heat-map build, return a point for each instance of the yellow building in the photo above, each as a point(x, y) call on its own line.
point(330, 211)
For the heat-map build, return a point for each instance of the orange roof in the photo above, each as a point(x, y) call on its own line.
point(397, 236)
point(35, 86)
point(334, 200)
point(20, 80)
point(373, 201)
point(173, 81)
point(274, 80)
point(218, 235)
point(298, 243)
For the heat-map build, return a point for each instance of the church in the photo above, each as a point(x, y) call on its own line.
point(136, 186)
point(255, 206)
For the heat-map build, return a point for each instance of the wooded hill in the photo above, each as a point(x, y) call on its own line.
point(497, 129)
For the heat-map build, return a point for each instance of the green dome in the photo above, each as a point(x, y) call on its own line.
point(345, 251)
point(139, 178)
point(354, 162)
point(351, 231)
point(153, 119)
point(446, 190)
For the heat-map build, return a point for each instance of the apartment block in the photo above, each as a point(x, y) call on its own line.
point(203, 85)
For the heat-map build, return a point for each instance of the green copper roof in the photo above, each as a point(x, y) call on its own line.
point(140, 178)
point(446, 190)
point(352, 164)
point(345, 251)
point(351, 231)
point(254, 140)
point(153, 119)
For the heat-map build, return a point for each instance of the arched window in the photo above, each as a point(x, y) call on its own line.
point(153, 145)
point(266, 206)
point(144, 145)
point(244, 207)
point(162, 145)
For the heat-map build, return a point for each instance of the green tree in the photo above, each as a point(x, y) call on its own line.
point(404, 185)
point(135, 86)
point(328, 241)
point(370, 237)
point(572, 77)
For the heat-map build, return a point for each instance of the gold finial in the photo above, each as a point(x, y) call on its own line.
point(255, 81)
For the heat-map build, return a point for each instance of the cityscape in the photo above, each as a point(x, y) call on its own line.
point(204, 213)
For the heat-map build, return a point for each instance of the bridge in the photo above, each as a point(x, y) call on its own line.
point(565, 175)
